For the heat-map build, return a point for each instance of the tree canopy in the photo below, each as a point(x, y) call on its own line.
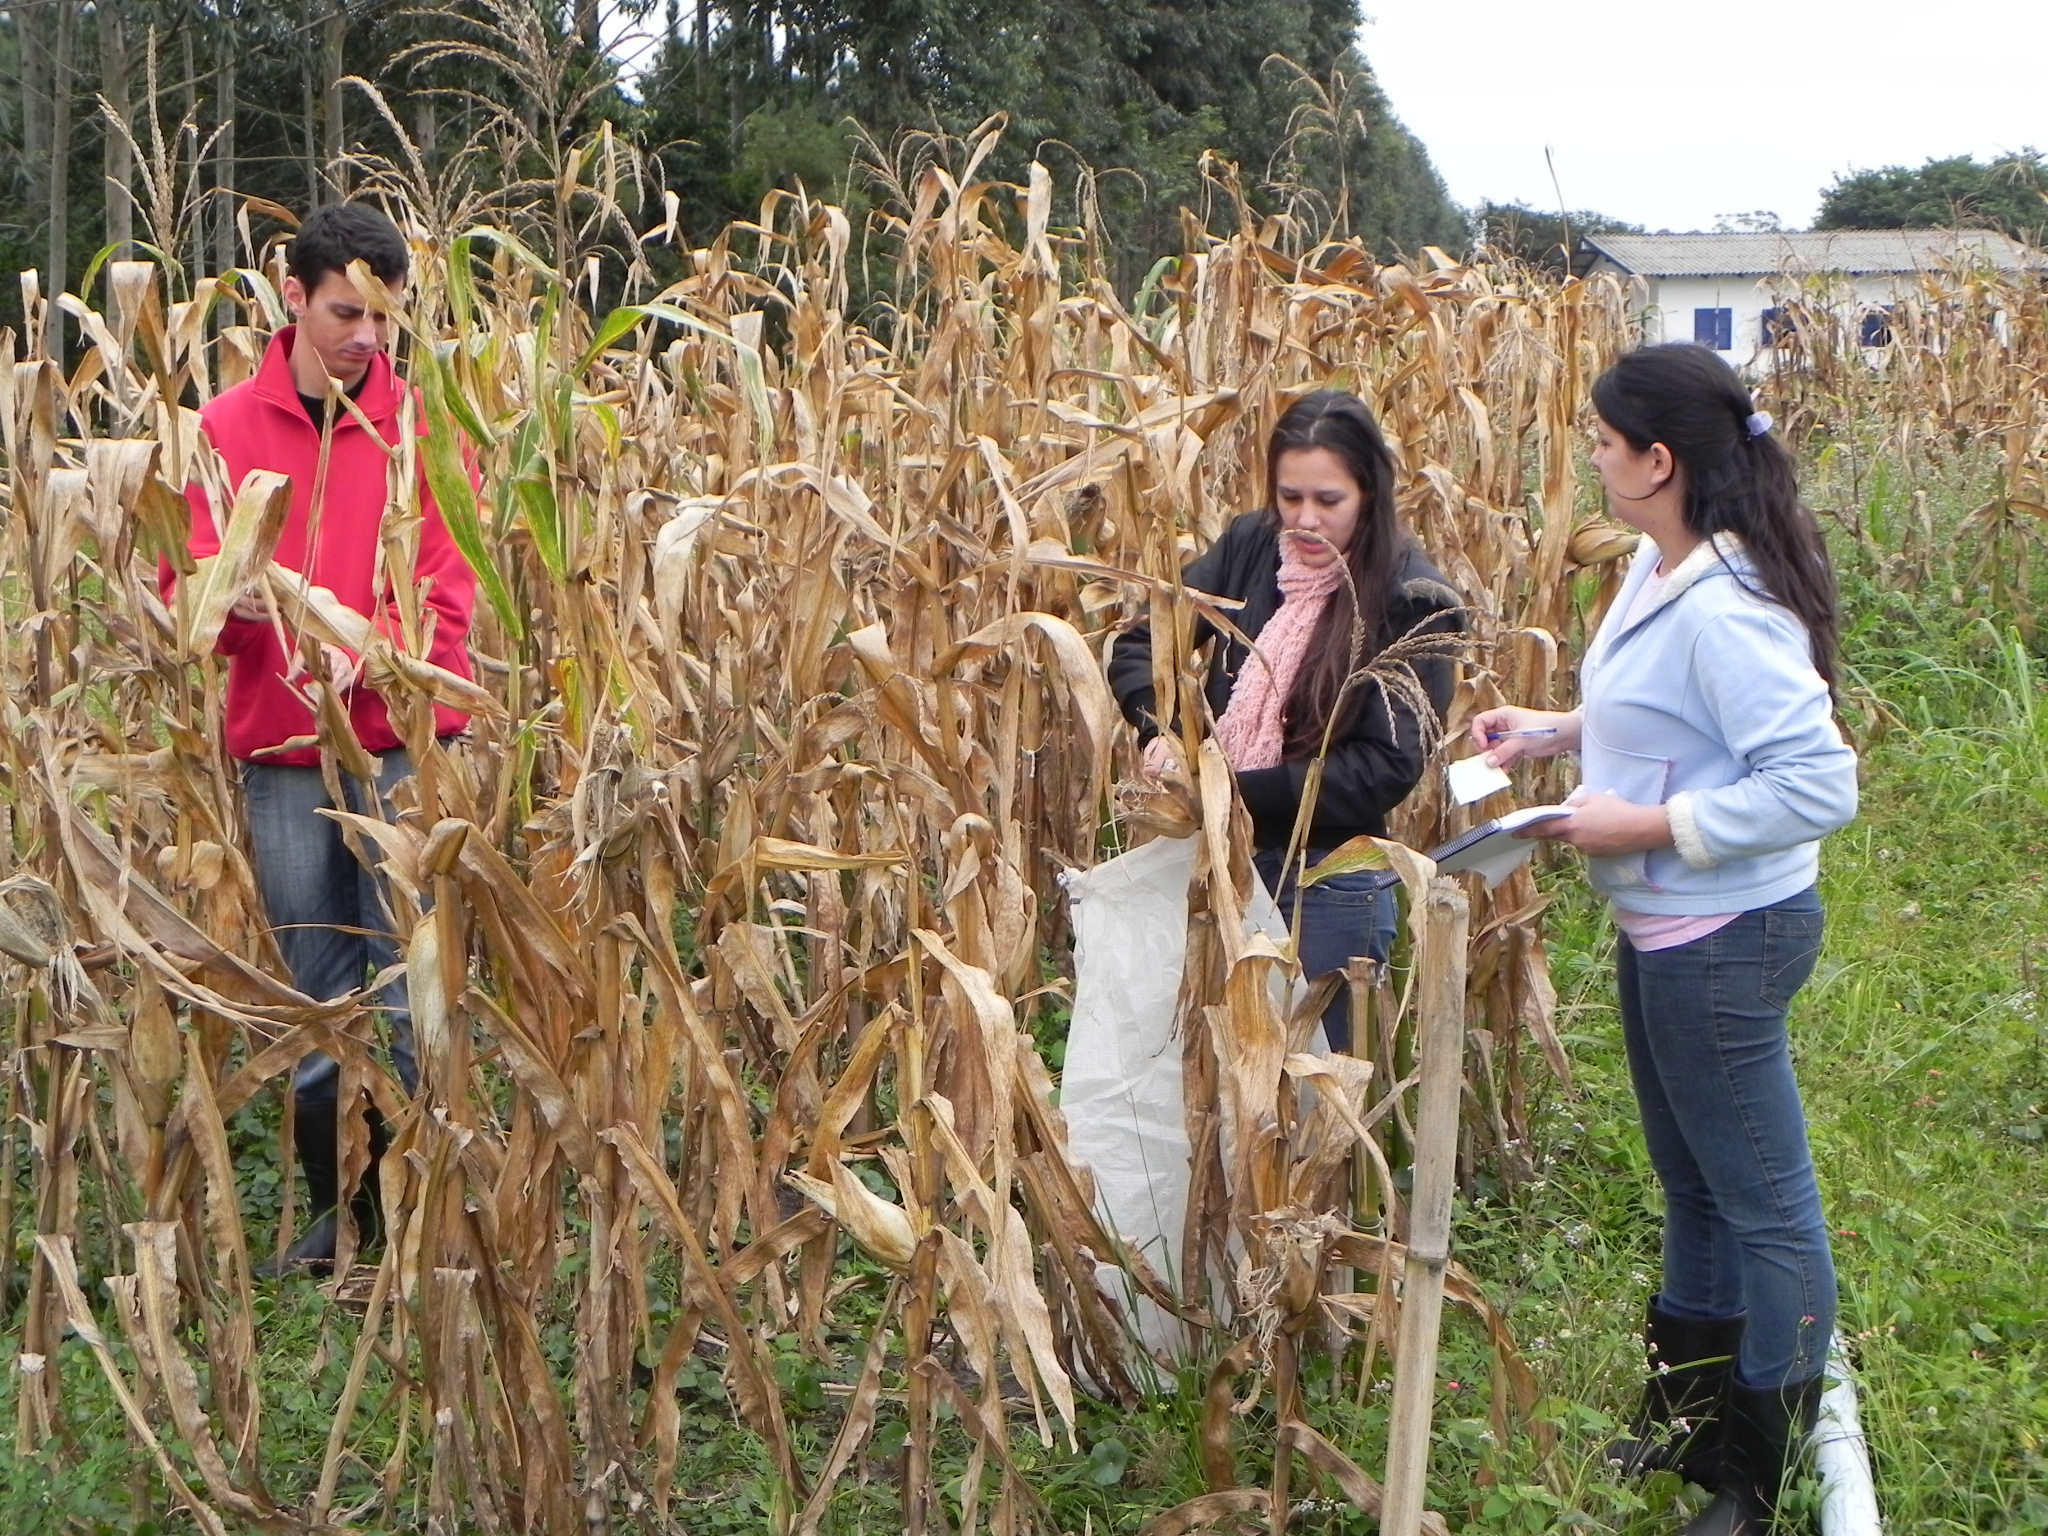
point(1541, 237)
point(2009, 194)
point(714, 101)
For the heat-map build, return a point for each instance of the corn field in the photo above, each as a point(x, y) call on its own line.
point(733, 923)
point(1960, 378)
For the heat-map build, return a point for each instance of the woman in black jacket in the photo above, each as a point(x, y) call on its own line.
point(1330, 509)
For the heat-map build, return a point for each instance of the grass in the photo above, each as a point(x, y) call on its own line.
point(1923, 1054)
point(1922, 1060)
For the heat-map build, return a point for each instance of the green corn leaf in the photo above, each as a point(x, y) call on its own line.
point(457, 399)
point(533, 494)
point(1359, 854)
point(448, 478)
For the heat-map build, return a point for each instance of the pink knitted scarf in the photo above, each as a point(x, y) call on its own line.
point(1253, 728)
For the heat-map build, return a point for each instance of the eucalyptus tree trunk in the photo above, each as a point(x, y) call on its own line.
point(426, 127)
point(65, 29)
point(735, 68)
point(310, 73)
point(333, 34)
point(191, 73)
point(197, 214)
point(119, 165)
point(224, 146)
point(32, 41)
point(703, 60)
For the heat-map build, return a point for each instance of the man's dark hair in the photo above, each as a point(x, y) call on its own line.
point(340, 233)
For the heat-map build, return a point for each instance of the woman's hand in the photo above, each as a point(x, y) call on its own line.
point(1160, 758)
point(1506, 735)
point(1603, 825)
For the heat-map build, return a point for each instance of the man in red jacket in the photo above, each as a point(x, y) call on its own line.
point(326, 907)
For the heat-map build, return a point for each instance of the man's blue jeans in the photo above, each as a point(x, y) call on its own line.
point(1705, 1027)
point(1342, 918)
point(326, 908)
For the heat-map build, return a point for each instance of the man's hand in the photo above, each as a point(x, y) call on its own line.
point(1604, 825)
point(343, 668)
point(255, 605)
point(252, 607)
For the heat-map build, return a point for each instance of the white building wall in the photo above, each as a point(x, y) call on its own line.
point(1672, 301)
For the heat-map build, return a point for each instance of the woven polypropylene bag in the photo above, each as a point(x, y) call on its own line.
point(1120, 1089)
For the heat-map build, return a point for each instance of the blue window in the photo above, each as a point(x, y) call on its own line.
point(1777, 326)
point(1714, 328)
point(1876, 330)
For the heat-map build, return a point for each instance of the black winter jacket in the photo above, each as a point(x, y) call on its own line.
point(1371, 768)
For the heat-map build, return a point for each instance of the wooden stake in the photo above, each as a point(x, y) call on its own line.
point(1440, 1041)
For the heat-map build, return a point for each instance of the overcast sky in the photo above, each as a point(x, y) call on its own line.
point(1671, 115)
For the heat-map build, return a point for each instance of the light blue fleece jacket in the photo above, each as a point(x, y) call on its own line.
point(1709, 705)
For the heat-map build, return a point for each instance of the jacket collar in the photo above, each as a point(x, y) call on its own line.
point(1722, 555)
point(378, 398)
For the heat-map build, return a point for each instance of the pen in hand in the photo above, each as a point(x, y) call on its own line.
point(1541, 730)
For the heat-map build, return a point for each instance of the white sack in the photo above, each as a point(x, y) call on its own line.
point(1120, 1090)
point(1848, 1495)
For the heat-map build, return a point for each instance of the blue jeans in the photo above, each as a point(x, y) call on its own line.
point(1341, 918)
point(1705, 1027)
point(315, 891)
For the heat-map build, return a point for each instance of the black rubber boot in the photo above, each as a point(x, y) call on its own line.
point(1764, 1435)
point(367, 1207)
point(1677, 1426)
point(314, 1123)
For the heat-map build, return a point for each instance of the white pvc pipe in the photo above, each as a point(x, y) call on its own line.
point(1848, 1494)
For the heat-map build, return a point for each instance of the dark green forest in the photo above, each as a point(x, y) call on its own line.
point(2008, 193)
point(157, 121)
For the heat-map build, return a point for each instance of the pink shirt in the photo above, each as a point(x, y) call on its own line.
point(1649, 930)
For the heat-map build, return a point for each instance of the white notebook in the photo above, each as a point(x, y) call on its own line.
point(1492, 848)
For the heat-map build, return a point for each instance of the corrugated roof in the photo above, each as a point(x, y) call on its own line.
point(1850, 251)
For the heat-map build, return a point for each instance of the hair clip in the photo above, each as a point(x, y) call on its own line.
point(1759, 424)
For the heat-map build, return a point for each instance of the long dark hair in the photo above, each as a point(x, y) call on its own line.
point(1736, 480)
point(1344, 424)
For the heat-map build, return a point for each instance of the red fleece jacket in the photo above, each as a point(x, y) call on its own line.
point(261, 424)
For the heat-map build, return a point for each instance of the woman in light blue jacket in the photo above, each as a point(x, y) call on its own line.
point(1711, 769)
